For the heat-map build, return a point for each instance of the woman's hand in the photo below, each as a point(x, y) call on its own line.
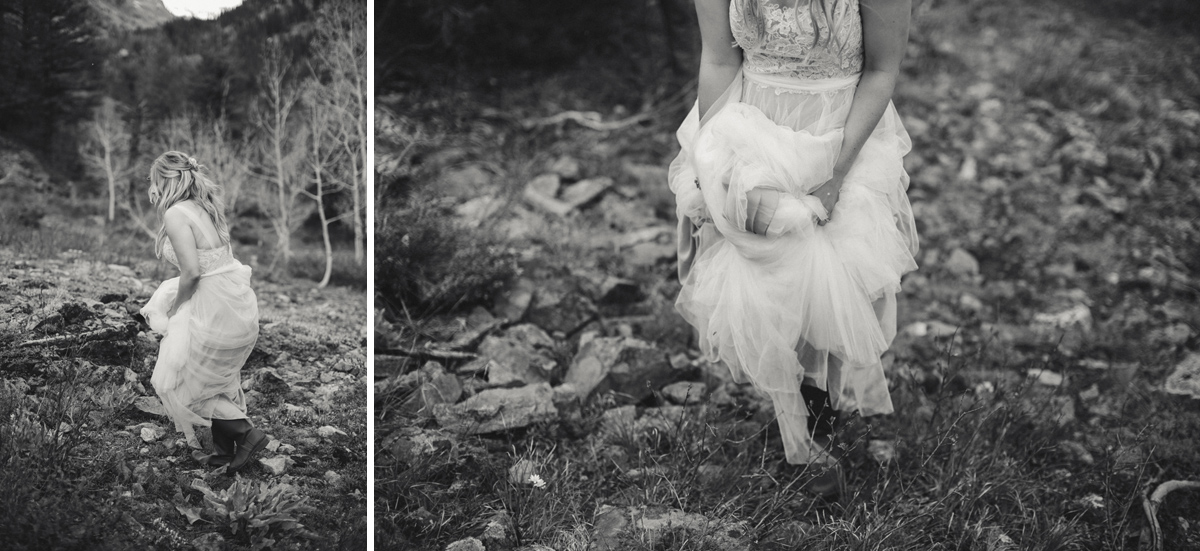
point(828, 193)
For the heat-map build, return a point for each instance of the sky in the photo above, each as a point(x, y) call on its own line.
point(200, 9)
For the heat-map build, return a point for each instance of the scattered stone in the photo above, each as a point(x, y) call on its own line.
point(1045, 377)
point(333, 478)
point(568, 314)
point(637, 373)
point(276, 465)
point(1078, 315)
point(618, 421)
point(962, 264)
point(970, 303)
point(1076, 451)
point(685, 392)
point(329, 432)
point(466, 544)
point(547, 204)
point(882, 451)
point(595, 360)
point(617, 290)
point(650, 253)
point(607, 528)
point(475, 211)
point(935, 329)
point(517, 357)
point(647, 176)
point(409, 445)
point(1184, 380)
point(512, 304)
point(565, 166)
point(465, 182)
point(498, 409)
point(496, 530)
point(583, 192)
point(546, 185)
point(709, 473)
point(150, 433)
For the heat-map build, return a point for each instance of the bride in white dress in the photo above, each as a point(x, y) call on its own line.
point(208, 315)
point(795, 226)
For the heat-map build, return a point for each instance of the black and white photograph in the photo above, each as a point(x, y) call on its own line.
point(183, 274)
point(684, 275)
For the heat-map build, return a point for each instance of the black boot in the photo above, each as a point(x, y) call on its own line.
point(223, 446)
point(247, 439)
point(828, 482)
point(821, 415)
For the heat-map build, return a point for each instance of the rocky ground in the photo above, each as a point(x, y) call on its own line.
point(1045, 376)
point(91, 462)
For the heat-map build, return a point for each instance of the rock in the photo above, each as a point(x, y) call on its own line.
point(466, 544)
point(650, 253)
point(1078, 315)
point(497, 528)
point(618, 290)
point(661, 419)
point(882, 451)
point(618, 421)
point(1184, 380)
point(150, 433)
point(970, 303)
point(150, 404)
point(517, 357)
point(546, 185)
point(546, 204)
point(585, 191)
point(595, 360)
point(607, 528)
point(685, 392)
point(211, 541)
point(1045, 377)
point(498, 409)
point(565, 166)
point(647, 176)
point(935, 329)
point(513, 303)
point(475, 211)
point(568, 315)
point(333, 478)
point(329, 432)
point(962, 264)
point(409, 445)
point(108, 298)
point(276, 465)
point(709, 473)
point(442, 388)
point(465, 182)
point(1076, 451)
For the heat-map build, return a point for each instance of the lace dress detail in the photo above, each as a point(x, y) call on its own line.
point(210, 259)
point(786, 48)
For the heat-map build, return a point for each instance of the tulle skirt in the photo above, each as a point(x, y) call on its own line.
point(774, 308)
point(198, 372)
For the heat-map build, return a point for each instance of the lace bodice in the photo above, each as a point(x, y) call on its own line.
point(210, 259)
point(786, 48)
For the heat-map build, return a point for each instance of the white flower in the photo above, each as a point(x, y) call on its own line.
point(537, 481)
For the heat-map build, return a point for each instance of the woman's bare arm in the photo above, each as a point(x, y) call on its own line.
point(179, 231)
point(885, 38)
point(720, 58)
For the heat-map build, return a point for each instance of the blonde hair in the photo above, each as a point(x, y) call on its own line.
point(819, 10)
point(178, 177)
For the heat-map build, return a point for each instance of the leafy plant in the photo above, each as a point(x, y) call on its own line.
point(254, 510)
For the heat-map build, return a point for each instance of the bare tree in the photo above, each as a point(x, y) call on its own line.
point(341, 52)
point(281, 146)
point(106, 148)
point(323, 156)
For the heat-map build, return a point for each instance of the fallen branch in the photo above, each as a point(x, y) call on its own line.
point(96, 334)
point(586, 119)
point(1151, 504)
point(427, 353)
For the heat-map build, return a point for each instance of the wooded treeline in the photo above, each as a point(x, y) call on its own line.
point(270, 97)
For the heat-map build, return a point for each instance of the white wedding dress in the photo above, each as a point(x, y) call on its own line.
point(774, 307)
point(198, 372)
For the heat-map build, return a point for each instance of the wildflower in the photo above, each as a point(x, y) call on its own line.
point(537, 481)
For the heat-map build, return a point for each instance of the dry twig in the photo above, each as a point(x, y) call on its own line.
point(1151, 504)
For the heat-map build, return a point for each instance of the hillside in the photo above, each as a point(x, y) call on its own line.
point(132, 14)
point(535, 388)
